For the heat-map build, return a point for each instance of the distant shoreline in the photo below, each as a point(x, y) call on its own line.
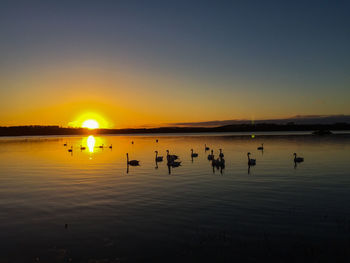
point(261, 127)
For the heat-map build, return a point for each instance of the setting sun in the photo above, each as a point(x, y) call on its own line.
point(90, 124)
point(90, 120)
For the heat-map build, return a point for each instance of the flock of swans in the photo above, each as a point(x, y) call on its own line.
point(82, 148)
point(219, 162)
point(173, 160)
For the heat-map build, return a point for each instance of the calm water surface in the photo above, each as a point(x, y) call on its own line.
point(272, 211)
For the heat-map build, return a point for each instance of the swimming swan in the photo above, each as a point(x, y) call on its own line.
point(251, 161)
point(132, 162)
point(221, 155)
point(158, 158)
point(298, 159)
point(261, 147)
point(193, 154)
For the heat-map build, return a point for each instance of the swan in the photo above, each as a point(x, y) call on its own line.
point(298, 159)
point(220, 161)
point(132, 162)
point(193, 154)
point(211, 156)
point(71, 149)
point(82, 147)
point(158, 158)
point(213, 160)
point(65, 144)
point(261, 147)
point(171, 157)
point(110, 147)
point(206, 148)
point(251, 161)
point(101, 146)
point(221, 155)
point(171, 160)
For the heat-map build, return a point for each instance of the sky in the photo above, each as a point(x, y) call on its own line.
point(150, 63)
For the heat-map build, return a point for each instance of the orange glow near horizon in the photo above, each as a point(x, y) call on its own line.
point(115, 98)
point(90, 120)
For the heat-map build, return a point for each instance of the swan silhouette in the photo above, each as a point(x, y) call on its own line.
point(171, 157)
point(71, 149)
point(298, 159)
point(132, 162)
point(82, 147)
point(213, 160)
point(110, 147)
point(206, 148)
point(261, 147)
point(211, 155)
point(193, 154)
point(171, 160)
point(158, 158)
point(251, 161)
point(221, 155)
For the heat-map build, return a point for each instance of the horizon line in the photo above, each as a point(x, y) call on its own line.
point(302, 119)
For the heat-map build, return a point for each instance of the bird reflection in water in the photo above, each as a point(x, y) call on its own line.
point(218, 163)
point(296, 164)
point(173, 164)
point(249, 169)
point(220, 168)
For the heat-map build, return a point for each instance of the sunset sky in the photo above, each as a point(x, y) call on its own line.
point(150, 63)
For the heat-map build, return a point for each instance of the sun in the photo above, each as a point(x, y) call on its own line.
point(90, 120)
point(90, 124)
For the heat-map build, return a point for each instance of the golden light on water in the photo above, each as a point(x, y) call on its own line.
point(90, 124)
point(91, 143)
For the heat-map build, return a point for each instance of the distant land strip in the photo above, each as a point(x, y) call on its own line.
point(299, 119)
point(259, 127)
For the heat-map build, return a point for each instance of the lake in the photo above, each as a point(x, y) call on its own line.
point(89, 206)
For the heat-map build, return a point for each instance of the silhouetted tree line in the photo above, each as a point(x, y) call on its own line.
point(56, 130)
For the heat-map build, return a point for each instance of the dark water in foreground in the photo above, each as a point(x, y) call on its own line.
point(277, 212)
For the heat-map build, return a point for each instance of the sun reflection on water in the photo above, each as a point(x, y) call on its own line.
point(91, 143)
